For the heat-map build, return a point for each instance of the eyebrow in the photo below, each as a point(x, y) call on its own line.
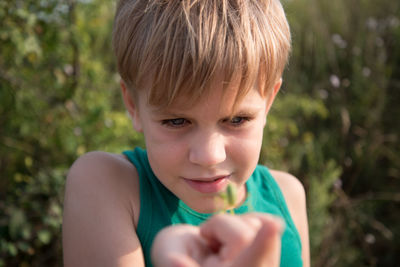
point(246, 111)
point(167, 112)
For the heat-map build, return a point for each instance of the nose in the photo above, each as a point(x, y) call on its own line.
point(207, 149)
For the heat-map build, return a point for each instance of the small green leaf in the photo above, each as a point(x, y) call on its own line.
point(229, 197)
point(44, 236)
point(12, 249)
point(231, 193)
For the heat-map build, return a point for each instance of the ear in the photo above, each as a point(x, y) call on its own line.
point(272, 95)
point(131, 106)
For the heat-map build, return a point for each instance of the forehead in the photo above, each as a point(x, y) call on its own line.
point(218, 100)
point(228, 92)
point(162, 94)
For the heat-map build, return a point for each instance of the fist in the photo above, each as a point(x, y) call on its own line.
point(251, 240)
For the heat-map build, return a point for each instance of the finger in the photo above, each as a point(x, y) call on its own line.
point(176, 245)
point(252, 220)
point(228, 234)
point(215, 245)
point(266, 246)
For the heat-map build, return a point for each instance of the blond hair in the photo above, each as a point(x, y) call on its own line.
point(178, 47)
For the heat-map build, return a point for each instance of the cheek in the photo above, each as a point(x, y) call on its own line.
point(246, 147)
point(162, 164)
point(165, 154)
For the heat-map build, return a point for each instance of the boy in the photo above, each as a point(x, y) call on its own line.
point(198, 80)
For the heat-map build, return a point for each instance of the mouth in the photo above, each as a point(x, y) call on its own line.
point(209, 185)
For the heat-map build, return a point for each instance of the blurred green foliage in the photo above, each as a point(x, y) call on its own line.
point(334, 124)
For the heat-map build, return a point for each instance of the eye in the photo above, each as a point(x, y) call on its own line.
point(175, 123)
point(238, 120)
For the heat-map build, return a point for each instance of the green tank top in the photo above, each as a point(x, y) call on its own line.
point(159, 208)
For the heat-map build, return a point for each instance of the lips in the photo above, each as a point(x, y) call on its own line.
point(208, 185)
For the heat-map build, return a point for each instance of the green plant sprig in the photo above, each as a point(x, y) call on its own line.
point(229, 197)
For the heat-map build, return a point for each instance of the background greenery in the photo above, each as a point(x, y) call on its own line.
point(335, 124)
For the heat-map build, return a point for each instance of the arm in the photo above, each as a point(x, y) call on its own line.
point(100, 206)
point(295, 197)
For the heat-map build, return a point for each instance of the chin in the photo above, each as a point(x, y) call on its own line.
point(213, 205)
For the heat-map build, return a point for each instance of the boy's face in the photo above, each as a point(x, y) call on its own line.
point(196, 152)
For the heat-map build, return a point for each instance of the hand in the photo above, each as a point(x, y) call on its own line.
point(251, 240)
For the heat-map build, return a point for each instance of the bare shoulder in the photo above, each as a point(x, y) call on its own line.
point(291, 187)
point(295, 197)
point(97, 165)
point(111, 174)
point(293, 192)
point(96, 160)
point(101, 207)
